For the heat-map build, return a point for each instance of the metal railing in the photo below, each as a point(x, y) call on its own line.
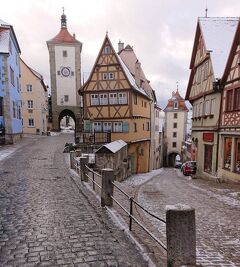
point(133, 218)
point(181, 237)
point(131, 202)
point(92, 179)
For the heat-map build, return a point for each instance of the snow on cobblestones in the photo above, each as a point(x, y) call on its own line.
point(6, 153)
point(139, 179)
point(228, 200)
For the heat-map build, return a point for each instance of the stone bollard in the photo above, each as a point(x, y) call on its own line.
point(107, 187)
point(83, 162)
point(181, 235)
point(72, 155)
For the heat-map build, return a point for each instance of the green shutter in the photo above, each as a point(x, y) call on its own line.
point(125, 127)
point(87, 126)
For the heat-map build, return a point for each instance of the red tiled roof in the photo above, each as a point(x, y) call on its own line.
point(64, 37)
point(176, 98)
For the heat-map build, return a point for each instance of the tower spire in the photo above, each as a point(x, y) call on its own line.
point(63, 20)
point(206, 11)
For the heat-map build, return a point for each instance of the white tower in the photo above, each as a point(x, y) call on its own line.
point(65, 70)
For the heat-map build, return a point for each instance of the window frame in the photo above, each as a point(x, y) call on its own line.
point(111, 102)
point(95, 102)
point(103, 99)
point(31, 124)
point(30, 104)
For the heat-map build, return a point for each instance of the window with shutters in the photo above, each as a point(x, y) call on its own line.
point(113, 99)
point(97, 126)
point(117, 127)
point(94, 99)
point(107, 126)
point(125, 127)
point(213, 101)
point(103, 98)
point(207, 107)
point(122, 98)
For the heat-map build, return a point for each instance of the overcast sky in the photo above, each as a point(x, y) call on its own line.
point(160, 31)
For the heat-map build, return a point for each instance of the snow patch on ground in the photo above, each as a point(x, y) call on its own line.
point(141, 178)
point(222, 198)
point(6, 153)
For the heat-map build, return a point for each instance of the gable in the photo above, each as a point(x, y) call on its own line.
point(232, 70)
point(107, 72)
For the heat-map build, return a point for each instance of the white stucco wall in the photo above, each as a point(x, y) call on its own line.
point(181, 129)
point(65, 85)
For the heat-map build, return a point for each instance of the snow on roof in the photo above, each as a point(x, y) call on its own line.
point(218, 34)
point(114, 146)
point(4, 40)
point(130, 77)
point(4, 24)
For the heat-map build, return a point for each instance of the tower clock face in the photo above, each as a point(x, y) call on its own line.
point(65, 71)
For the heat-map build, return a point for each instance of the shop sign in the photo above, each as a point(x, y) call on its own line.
point(208, 137)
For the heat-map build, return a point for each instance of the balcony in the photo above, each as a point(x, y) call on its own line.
point(93, 138)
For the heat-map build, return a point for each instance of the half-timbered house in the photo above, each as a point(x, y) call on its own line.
point(212, 44)
point(229, 143)
point(113, 102)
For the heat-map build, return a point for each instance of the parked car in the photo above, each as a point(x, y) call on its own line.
point(178, 164)
point(189, 167)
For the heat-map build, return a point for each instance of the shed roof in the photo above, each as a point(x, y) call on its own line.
point(113, 146)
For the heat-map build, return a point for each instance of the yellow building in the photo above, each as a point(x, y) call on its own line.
point(34, 100)
point(114, 102)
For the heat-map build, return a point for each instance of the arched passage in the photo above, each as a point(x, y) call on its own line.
point(172, 158)
point(66, 113)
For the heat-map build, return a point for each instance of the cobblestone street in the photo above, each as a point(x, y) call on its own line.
point(217, 213)
point(45, 220)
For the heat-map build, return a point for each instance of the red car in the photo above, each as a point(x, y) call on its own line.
point(189, 167)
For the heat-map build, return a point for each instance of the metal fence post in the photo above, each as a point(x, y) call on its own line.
point(107, 187)
point(131, 213)
point(83, 162)
point(181, 235)
point(72, 155)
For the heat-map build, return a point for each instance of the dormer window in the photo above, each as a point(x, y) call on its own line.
point(175, 105)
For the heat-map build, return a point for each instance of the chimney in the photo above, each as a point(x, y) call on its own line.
point(138, 73)
point(74, 35)
point(120, 46)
